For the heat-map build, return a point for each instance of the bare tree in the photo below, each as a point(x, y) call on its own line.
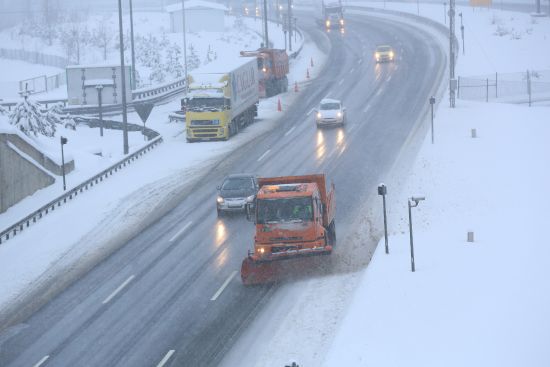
point(102, 37)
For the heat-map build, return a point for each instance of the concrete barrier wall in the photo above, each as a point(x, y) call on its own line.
point(24, 170)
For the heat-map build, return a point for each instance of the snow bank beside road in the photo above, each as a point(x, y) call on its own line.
point(477, 304)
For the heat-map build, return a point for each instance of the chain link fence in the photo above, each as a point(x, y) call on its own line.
point(529, 87)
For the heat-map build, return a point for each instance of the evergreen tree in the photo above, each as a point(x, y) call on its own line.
point(193, 61)
point(27, 117)
point(54, 114)
point(174, 64)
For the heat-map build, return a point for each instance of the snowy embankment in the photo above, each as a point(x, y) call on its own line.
point(52, 252)
point(483, 303)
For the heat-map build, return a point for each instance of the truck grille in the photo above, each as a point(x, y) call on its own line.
point(206, 133)
point(277, 249)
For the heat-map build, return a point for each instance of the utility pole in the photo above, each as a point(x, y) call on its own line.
point(184, 50)
point(452, 81)
point(265, 25)
point(123, 79)
point(289, 25)
point(132, 41)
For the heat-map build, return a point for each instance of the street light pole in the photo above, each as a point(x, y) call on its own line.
point(123, 78)
point(289, 25)
point(133, 84)
point(184, 49)
point(265, 25)
point(432, 102)
point(63, 141)
point(410, 201)
point(99, 89)
point(382, 191)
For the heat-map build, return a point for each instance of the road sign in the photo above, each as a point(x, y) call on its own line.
point(144, 110)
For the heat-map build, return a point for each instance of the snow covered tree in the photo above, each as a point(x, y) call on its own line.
point(55, 114)
point(174, 62)
point(193, 61)
point(27, 117)
point(210, 55)
point(157, 75)
point(102, 37)
point(147, 51)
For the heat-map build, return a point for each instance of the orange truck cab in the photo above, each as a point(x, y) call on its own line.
point(294, 217)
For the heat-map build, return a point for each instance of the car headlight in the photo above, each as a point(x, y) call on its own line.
point(250, 199)
point(391, 54)
point(328, 23)
point(341, 21)
point(220, 200)
point(319, 115)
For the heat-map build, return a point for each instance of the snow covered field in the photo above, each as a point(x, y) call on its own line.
point(13, 71)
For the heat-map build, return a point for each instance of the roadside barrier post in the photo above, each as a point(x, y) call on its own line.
point(432, 102)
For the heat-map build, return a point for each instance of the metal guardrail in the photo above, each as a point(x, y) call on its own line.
point(32, 218)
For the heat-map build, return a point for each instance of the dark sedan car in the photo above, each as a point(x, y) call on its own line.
point(235, 192)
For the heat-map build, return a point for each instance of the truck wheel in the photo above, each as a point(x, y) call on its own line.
point(285, 84)
point(332, 232)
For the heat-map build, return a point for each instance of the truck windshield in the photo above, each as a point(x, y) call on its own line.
point(297, 209)
point(207, 104)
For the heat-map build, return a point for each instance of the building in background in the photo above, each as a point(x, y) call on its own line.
point(199, 16)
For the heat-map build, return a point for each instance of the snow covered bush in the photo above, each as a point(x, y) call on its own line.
point(27, 117)
point(174, 61)
point(3, 111)
point(69, 122)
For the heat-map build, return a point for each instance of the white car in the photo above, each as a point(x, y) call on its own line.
point(330, 112)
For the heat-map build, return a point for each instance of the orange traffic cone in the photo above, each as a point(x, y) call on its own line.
point(296, 86)
point(279, 108)
point(307, 74)
point(312, 62)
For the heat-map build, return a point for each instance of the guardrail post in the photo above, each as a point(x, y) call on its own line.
point(487, 90)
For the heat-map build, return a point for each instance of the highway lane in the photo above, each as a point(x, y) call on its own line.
point(163, 292)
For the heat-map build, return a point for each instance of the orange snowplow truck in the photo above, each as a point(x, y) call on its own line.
point(272, 69)
point(294, 217)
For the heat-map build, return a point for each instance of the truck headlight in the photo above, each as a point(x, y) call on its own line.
point(339, 114)
point(319, 115)
point(341, 21)
point(327, 23)
point(220, 200)
point(391, 54)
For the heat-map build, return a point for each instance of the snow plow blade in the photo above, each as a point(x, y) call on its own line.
point(254, 272)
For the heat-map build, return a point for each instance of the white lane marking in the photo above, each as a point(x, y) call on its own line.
point(166, 358)
point(217, 294)
point(351, 128)
point(352, 70)
point(290, 131)
point(379, 91)
point(340, 82)
point(112, 295)
point(40, 362)
point(366, 108)
point(263, 155)
point(180, 232)
point(360, 61)
point(310, 111)
point(389, 78)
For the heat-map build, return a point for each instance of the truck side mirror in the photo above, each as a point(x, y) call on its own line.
point(249, 212)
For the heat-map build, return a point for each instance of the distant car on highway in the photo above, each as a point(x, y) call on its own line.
point(384, 53)
point(235, 192)
point(330, 112)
